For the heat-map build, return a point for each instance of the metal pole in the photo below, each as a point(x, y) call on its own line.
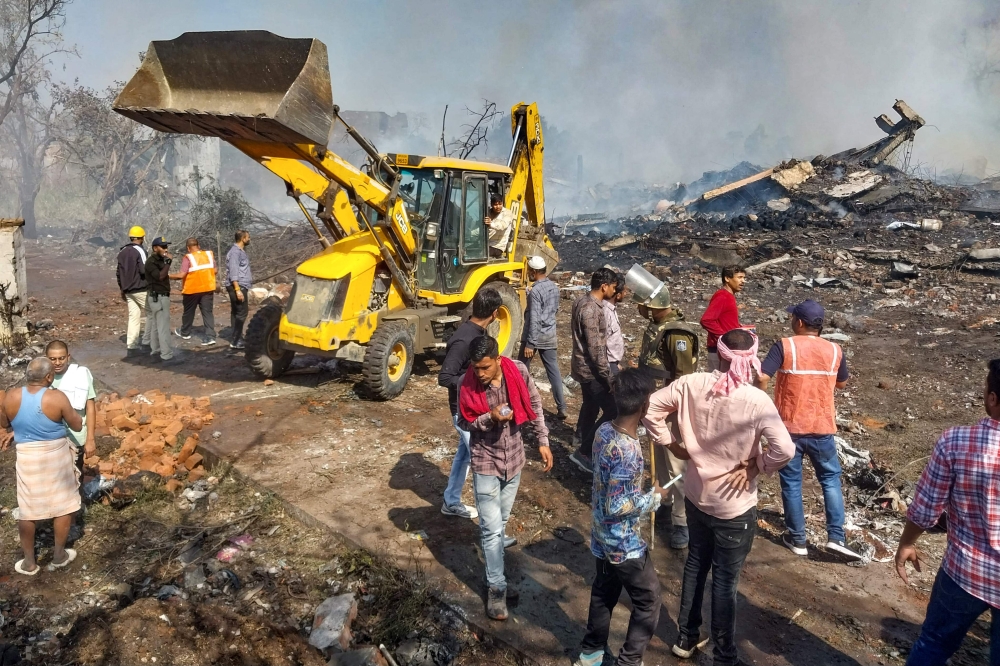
point(652, 514)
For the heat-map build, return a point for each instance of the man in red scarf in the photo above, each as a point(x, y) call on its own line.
point(497, 398)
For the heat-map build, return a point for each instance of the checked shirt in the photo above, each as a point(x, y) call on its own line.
point(963, 478)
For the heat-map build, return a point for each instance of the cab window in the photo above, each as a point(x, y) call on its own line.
point(474, 247)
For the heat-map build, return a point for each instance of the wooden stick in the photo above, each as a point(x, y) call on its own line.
point(652, 514)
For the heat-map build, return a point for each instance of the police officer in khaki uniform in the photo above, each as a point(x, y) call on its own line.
point(669, 350)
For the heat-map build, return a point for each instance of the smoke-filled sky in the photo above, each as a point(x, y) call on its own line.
point(649, 88)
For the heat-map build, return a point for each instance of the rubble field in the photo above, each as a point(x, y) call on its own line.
point(217, 573)
point(905, 267)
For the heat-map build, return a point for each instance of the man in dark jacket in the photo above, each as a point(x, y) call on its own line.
point(157, 276)
point(132, 284)
point(456, 362)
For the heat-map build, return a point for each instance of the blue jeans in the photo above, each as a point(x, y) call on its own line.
point(494, 499)
point(459, 467)
point(950, 613)
point(822, 451)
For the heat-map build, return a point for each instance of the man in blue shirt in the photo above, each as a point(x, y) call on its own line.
point(540, 329)
point(618, 503)
point(238, 283)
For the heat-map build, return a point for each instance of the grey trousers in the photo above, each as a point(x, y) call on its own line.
point(550, 360)
point(158, 323)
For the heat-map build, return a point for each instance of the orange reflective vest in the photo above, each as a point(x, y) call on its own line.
point(200, 277)
point(805, 383)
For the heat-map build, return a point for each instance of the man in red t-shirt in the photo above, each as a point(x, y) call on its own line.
point(722, 315)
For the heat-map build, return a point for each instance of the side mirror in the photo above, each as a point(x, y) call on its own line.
point(432, 231)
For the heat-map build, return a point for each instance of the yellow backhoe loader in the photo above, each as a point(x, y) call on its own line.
point(406, 243)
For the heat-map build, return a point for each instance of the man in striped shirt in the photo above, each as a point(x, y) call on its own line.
point(962, 479)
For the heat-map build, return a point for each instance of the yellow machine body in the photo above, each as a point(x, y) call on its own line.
point(404, 241)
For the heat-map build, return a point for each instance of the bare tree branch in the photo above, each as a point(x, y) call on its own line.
point(23, 25)
point(477, 129)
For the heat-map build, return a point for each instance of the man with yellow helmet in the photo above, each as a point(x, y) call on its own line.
point(132, 284)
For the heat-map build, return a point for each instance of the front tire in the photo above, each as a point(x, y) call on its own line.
point(510, 318)
point(388, 360)
point(264, 354)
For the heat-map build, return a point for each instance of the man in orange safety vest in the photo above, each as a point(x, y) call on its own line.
point(808, 369)
point(198, 290)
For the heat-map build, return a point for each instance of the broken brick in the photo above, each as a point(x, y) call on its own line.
point(159, 423)
point(125, 423)
point(172, 430)
point(203, 402)
point(131, 393)
point(190, 444)
point(102, 431)
point(164, 470)
point(131, 441)
point(173, 485)
point(193, 461)
point(117, 406)
point(106, 467)
point(147, 463)
point(331, 627)
point(366, 656)
point(196, 474)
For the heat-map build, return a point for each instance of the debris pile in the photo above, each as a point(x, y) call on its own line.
point(151, 432)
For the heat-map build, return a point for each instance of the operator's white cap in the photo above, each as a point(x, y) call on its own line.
point(536, 263)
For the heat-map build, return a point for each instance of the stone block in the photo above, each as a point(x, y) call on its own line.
point(331, 628)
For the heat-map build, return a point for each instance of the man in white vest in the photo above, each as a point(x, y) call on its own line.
point(198, 291)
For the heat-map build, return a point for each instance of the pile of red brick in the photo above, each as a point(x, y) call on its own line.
point(156, 433)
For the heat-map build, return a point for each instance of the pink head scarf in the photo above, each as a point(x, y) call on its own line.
point(742, 363)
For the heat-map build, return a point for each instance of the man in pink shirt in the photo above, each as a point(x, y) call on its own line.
point(721, 417)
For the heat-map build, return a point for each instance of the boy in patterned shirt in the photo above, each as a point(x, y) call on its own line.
point(618, 504)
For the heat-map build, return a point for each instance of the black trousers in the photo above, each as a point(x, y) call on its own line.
point(719, 546)
point(598, 408)
point(638, 578)
point(204, 302)
point(238, 311)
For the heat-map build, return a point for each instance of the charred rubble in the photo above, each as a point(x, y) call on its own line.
point(856, 192)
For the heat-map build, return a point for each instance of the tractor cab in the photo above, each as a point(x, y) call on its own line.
point(448, 202)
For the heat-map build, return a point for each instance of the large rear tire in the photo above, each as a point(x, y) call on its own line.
point(510, 318)
point(388, 360)
point(264, 354)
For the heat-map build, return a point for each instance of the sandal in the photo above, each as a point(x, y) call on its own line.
point(70, 556)
point(21, 570)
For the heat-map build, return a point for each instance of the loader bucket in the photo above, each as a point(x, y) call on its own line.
point(248, 84)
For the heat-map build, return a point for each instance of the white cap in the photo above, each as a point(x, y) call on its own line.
point(536, 263)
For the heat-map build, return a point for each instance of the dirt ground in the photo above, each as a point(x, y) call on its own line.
point(375, 472)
